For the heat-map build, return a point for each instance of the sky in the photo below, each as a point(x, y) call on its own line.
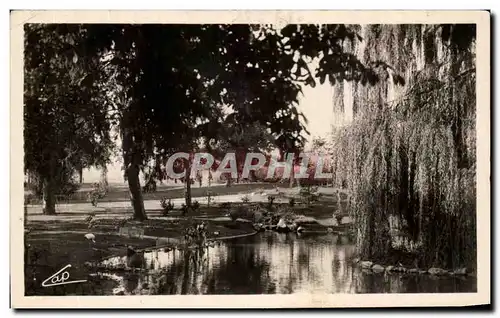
point(317, 106)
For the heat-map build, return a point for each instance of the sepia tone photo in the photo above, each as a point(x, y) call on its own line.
point(277, 155)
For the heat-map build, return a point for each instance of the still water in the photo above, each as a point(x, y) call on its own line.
point(269, 263)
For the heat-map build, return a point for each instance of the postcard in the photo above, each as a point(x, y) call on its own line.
point(250, 159)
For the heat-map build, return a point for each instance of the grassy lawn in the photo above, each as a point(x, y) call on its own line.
point(120, 194)
point(48, 253)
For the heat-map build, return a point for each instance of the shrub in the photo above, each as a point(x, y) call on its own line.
point(150, 187)
point(210, 197)
point(69, 188)
point(309, 194)
point(291, 202)
point(196, 234)
point(184, 209)
point(167, 206)
point(225, 205)
point(36, 188)
point(270, 200)
point(195, 205)
point(65, 184)
point(234, 214)
point(245, 199)
point(258, 214)
point(98, 192)
point(339, 218)
point(241, 212)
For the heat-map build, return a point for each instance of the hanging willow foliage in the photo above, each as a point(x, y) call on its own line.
point(411, 164)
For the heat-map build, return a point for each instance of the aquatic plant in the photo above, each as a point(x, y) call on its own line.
point(196, 235)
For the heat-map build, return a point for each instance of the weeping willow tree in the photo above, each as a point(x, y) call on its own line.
point(408, 157)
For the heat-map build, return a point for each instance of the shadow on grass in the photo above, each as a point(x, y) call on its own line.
point(48, 253)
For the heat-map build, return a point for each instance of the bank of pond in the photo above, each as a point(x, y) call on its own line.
point(264, 263)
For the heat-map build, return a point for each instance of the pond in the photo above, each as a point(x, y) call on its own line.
point(267, 263)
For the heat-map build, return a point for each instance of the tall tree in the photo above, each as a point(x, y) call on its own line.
point(240, 139)
point(412, 159)
point(177, 75)
point(63, 113)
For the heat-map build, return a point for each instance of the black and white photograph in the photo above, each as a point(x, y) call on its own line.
point(288, 157)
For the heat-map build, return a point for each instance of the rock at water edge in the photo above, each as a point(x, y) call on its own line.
point(366, 264)
point(437, 271)
point(281, 224)
point(399, 269)
point(378, 268)
point(461, 271)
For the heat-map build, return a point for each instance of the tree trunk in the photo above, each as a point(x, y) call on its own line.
point(25, 213)
point(49, 189)
point(39, 188)
point(49, 197)
point(187, 192)
point(199, 177)
point(80, 174)
point(185, 277)
point(104, 175)
point(187, 189)
point(131, 160)
point(252, 176)
point(136, 198)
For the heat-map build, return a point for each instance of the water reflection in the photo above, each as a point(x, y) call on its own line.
point(272, 263)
